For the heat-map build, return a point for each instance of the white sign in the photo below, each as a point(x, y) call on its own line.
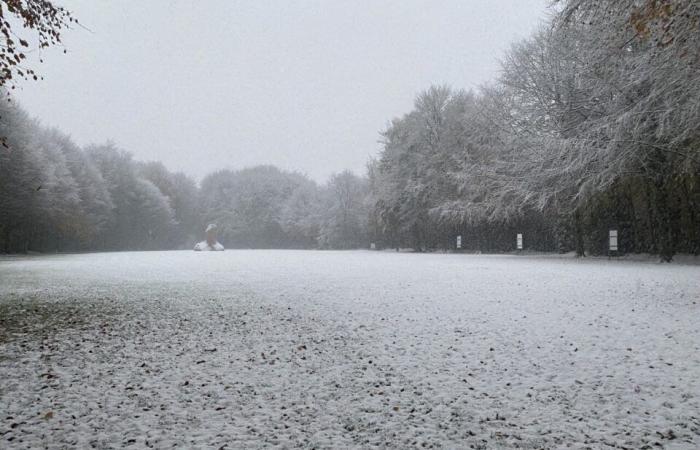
point(459, 241)
point(613, 240)
point(373, 246)
point(520, 241)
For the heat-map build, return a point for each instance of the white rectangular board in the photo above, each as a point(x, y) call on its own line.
point(613, 240)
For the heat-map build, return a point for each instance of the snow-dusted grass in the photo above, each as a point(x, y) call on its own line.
point(248, 349)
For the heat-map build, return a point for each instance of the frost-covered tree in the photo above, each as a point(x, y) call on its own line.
point(251, 206)
point(344, 214)
point(143, 216)
point(646, 56)
point(59, 191)
point(95, 211)
point(52, 197)
point(183, 200)
point(411, 188)
point(181, 193)
point(301, 214)
point(21, 179)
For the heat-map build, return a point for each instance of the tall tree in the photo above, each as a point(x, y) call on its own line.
point(344, 215)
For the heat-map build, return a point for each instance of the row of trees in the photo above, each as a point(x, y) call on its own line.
point(592, 125)
point(55, 196)
point(264, 207)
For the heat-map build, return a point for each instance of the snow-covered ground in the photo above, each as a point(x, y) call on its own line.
point(249, 349)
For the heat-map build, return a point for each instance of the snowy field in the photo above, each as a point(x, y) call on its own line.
point(252, 349)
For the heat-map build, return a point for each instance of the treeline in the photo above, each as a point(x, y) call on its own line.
point(592, 125)
point(57, 197)
point(264, 207)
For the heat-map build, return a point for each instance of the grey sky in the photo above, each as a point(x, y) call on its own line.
point(304, 85)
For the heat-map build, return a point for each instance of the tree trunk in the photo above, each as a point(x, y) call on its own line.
point(578, 235)
point(666, 242)
point(651, 217)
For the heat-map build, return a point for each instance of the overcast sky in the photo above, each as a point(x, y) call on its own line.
point(305, 85)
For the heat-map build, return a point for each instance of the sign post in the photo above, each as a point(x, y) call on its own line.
point(519, 241)
point(613, 241)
